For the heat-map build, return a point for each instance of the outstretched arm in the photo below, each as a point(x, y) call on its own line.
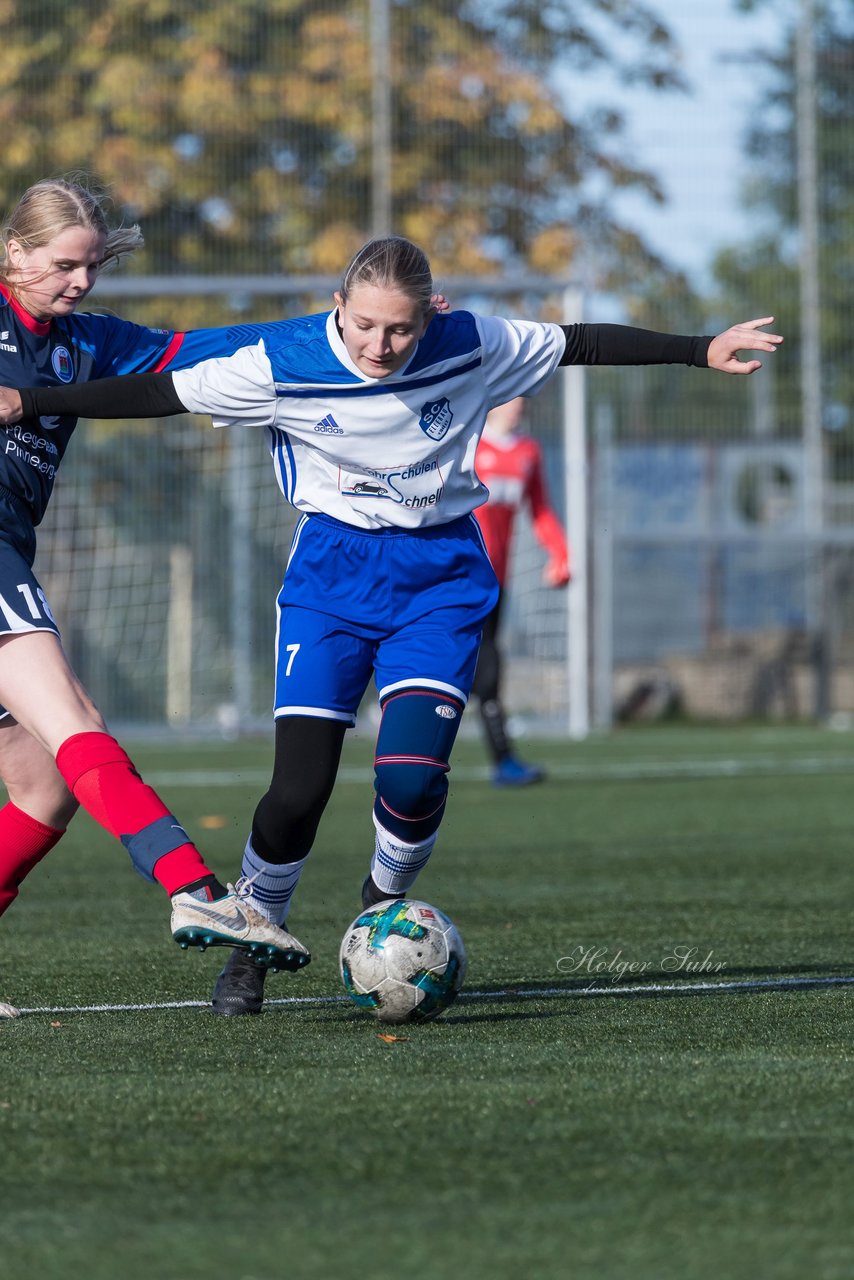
point(135, 395)
point(616, 344)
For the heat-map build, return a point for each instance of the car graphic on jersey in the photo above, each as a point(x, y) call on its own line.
point(370, 487)
point(415, 485)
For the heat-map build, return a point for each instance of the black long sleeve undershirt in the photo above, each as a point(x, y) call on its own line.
point(153, 395)
point(622, 344)
point(134, 395)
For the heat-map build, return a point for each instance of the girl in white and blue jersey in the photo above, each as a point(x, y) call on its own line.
point(373, 412)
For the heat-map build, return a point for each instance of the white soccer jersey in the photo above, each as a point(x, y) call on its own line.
point(377, 452)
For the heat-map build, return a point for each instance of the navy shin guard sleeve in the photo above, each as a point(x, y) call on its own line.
point(149, 845)
point(414, 744)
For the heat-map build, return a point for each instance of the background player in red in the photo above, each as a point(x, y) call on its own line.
point(510, 464)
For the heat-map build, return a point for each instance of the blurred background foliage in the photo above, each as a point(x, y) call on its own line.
point(240, 135)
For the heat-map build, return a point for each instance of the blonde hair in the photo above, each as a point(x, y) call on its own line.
point(391, 262)
point(48, 207)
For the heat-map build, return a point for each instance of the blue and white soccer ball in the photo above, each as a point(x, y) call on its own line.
point(402, 961)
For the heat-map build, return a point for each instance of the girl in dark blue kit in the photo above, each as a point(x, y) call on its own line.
point(56, 752)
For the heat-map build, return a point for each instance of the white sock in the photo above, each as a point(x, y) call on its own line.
point(395, 864)
point(273, 883)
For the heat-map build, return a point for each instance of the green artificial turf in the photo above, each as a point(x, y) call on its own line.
point(631, 1086)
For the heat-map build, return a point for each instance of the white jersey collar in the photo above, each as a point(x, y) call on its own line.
point(339, 350)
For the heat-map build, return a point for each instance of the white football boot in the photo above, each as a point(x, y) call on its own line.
point(233, 921)
point(7, 1010)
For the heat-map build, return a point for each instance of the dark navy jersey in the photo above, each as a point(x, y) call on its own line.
point(80, 348)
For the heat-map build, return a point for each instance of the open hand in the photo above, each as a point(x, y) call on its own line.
point(10, 405)
point(748, 336)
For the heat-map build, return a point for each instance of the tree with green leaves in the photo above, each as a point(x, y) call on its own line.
point(768, 263)
point(761, 274)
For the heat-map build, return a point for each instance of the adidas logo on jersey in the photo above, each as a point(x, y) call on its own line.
point(328, 426)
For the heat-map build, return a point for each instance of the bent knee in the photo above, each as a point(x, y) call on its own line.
point(410, 787)
point(54, 806)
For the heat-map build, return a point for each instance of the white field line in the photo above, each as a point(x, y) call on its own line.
point(505, 993)
point(583, 771)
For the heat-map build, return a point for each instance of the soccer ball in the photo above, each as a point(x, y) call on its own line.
point(402, 961)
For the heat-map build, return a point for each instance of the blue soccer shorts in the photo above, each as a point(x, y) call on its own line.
point(404, 606)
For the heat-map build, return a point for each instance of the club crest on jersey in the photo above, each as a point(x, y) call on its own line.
point(436, 418)
point(62, 364)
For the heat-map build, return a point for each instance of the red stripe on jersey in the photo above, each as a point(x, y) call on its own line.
point(170, 352)
point(41, 327)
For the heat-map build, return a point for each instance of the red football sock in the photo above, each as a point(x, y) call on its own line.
point(24, 841)
point(101, 775)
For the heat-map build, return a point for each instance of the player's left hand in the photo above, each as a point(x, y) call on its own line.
point(557, 574)
point(439, 302)
point(747, 336)
point(10, 405)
